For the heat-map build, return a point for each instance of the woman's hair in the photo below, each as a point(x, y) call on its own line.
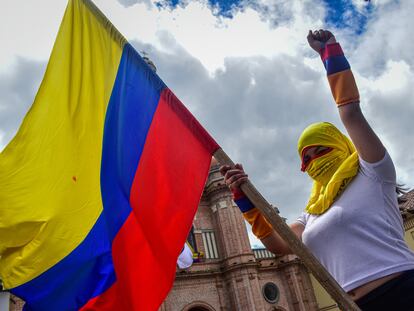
point(401, 189)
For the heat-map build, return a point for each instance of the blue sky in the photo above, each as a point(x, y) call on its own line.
point(341, 13)
point(344, 14)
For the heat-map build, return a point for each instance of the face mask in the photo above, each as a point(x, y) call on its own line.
point(322, 169)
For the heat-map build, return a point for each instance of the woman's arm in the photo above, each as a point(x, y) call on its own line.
point(234, 177)
point(277, 245)
point(366, 142)
point(345, 92)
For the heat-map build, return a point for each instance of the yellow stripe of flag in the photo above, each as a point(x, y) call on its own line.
point(50, 173)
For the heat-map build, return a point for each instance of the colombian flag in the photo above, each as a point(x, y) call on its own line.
point(99, 187)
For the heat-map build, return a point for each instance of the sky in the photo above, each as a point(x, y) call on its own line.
point(244, 69)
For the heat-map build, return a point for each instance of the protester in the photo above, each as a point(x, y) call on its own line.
point(351, 223)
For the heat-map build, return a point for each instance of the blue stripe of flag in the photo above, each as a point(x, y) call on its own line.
point(132, 106)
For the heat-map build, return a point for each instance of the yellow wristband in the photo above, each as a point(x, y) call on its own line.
point(343, 87)
point(260, 227)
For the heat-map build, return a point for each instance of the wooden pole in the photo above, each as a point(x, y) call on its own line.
point(343, 300)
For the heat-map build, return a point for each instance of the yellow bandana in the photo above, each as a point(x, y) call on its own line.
point(331, 172)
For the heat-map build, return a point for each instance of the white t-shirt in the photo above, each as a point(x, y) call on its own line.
point(360, 238)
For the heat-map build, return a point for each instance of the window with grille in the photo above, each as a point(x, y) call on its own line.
point(210, 245)
point(262, 253)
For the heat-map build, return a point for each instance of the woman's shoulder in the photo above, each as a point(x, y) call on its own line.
point(381, 171)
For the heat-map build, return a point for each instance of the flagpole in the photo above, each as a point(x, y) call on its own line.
point(320, 273)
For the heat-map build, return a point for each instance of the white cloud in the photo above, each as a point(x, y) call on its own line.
point(28, 29)
point(18, 89)
point(385, 68)
point(128, 3)
point(211, 38)
point(394, 79)
point(390, 104)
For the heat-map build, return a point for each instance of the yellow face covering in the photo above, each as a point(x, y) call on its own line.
point(331, 172)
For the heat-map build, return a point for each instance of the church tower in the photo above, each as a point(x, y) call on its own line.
point(238, 263)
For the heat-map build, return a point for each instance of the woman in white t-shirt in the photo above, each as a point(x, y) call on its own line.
point(352, 222)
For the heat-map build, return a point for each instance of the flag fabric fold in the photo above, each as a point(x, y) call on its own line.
point(99, 186)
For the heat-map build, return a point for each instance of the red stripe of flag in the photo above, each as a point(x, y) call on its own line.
point(165, 194)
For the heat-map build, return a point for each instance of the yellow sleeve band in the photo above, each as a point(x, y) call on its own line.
point(260, 227)
point(343, 87)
